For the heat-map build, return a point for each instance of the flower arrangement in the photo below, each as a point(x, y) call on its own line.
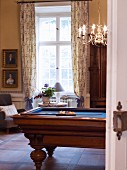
point(46, 92)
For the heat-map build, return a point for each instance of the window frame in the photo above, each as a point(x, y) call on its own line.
point(57, 43)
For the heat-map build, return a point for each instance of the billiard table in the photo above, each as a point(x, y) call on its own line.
point(66, 127)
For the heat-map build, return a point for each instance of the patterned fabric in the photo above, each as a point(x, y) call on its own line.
point(79, 14)
point(28, 49)
point(28, 103)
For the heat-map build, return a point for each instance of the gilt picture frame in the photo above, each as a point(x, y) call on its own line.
point(10, 58)
point(10, 78)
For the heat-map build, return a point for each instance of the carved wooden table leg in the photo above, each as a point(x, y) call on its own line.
point(38, 155)
point(50, 150)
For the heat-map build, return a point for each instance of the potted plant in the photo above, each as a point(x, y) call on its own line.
point(46, 93)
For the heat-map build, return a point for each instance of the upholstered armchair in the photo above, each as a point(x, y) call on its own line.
point(6, 122)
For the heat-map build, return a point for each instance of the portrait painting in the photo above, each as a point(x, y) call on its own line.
point(10, 78)
point(10, 58)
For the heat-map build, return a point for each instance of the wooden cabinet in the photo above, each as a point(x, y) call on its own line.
point(98, 62)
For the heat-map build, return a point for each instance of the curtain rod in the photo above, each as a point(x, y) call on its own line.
point(20, 2)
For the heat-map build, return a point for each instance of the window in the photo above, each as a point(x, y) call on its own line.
point(54, 61)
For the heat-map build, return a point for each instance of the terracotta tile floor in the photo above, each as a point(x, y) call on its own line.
point(15, 155)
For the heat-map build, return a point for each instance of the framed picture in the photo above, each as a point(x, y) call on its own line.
point(10, 58)
point(10, 78)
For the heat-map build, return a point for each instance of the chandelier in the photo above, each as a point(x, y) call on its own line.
point(95, 34)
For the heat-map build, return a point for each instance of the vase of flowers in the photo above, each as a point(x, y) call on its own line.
point(46, 93)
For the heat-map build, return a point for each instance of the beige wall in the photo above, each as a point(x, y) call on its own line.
point(9, 36)
point(9, 24)
point(94, 11)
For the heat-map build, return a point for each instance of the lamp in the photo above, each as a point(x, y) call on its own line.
point(58, 89)
point(97, 35)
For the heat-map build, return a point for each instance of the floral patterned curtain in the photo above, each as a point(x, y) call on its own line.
point(79, 16)
point(28, 50)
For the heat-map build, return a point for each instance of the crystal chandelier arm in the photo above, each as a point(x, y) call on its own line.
point(98, 33)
